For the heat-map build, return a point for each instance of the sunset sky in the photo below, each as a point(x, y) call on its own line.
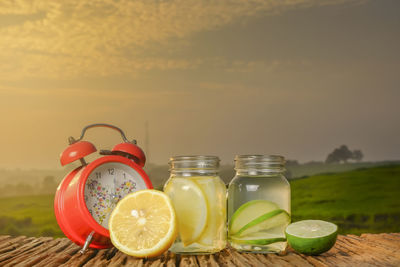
point(295, 77)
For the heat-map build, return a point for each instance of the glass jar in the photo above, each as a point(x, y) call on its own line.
point(199, 198)
point(258, 204)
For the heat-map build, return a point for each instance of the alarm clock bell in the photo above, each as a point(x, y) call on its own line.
point(87, 195)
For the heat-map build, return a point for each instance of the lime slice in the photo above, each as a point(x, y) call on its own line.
point(311, 237)
point(276, 219)
point(190, 206)
point(248, 212)
point(258, 239)
point(215, 192)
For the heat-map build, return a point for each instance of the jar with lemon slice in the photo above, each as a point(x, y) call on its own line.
point(258, 204)
point(199, 199)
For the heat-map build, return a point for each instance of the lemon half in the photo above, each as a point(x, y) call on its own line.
point(143, 224)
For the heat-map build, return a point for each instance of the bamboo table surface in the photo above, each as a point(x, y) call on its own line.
point(349, 250)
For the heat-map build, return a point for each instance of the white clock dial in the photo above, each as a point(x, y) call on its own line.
point(106, 185)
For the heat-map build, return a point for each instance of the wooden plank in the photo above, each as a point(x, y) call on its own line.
point(313, 261)
point(155, 262)
point(29, 252)
point(188, 260)
point(4, 237)
point(132, 261)
point(254, 259)
point(374, 246)
point(102, 257)
point(23, 250)
point(278, 260)
point(263, 259)
point(171, 260)
point(13, 240)
point(296, 260)
point(119, 259)
point(355, 254)
point(332, 260)
point(383, 240)
point(351, 250)
point(29, 258)
point(223, 258)
point(79, 259)
point(388, 237)
point(10, 244)
point(366, 254)
point(57, 258)
point(344, 256)
point(207, 261)
point(240, 260)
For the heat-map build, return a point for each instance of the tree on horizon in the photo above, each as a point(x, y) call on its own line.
point(343, 154)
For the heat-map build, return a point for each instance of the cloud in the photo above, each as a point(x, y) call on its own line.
point(75, 38)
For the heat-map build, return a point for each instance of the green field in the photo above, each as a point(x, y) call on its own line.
point(28, 215)
point(364, 200)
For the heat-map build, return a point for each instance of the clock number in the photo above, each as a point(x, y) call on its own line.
point(111, 171)
point(98, 175)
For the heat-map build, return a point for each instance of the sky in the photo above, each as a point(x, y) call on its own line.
point(296, 77)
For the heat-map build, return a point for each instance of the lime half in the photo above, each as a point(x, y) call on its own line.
point(311, 237)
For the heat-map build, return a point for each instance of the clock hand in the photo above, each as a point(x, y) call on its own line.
point(114, 197)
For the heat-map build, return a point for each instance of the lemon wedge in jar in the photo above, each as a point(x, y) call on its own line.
point(214, 233)
point(191, 208)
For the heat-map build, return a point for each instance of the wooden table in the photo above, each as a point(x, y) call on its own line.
point(350, 250)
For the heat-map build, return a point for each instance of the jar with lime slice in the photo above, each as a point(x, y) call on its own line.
point(199, 199)
point(258, 204)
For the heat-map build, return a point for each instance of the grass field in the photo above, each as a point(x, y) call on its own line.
point(28, 215)
point(365, 200)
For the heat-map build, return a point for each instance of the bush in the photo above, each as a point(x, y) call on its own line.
point(47, 231)
point(12, 230)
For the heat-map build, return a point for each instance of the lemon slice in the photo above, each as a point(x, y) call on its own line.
point(191, 208)
point(143, 224)
point(215, 230)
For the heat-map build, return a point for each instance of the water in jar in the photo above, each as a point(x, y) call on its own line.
point(258, 212)
point(200, 205)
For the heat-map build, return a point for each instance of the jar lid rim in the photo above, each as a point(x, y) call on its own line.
point(266, 158)
point(194, 157)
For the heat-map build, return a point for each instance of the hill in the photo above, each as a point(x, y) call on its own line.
point(295, 170)
point(364, 200)
point(28, 215)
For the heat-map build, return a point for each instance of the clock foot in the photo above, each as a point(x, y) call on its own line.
point(87, 243)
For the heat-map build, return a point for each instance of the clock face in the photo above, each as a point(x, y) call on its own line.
point(106, 185)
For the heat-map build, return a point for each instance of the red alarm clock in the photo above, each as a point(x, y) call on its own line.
point(87, 195)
